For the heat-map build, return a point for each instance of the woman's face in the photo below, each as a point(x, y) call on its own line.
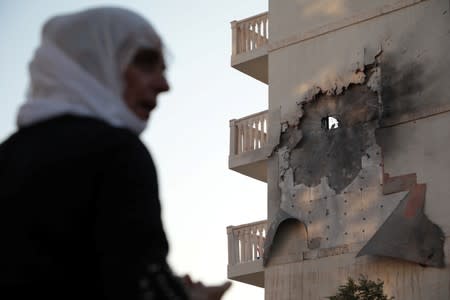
point(144, 79)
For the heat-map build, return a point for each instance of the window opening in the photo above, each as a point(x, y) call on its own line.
point(330, 123)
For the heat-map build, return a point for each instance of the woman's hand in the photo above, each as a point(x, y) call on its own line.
point(198, 291)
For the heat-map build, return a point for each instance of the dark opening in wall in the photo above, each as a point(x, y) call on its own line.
point(330, 123)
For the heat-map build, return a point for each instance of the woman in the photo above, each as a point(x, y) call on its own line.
point(80, 210)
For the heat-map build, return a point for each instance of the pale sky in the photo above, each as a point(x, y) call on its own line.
point(189, 131)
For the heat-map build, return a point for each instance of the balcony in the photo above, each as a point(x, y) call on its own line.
point(249, 145)
point(249, 46)
point(245, 252)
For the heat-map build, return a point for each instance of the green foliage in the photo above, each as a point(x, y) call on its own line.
point(364, 289)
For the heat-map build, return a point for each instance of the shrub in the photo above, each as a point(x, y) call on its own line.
point(364, 289)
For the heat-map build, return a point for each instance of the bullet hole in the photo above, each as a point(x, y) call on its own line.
point(328, 226)
point(364, 219)
point(327, 239)
point(330, 123)
point(345, 213)
point(327, 212)
point(381, 206)
point(363, 230)
point(346, 233)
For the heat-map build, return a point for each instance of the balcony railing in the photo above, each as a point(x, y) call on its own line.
point(250, 34)
point(246, 242)
point(249, 133)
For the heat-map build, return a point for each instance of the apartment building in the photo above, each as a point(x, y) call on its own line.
point(353, 147)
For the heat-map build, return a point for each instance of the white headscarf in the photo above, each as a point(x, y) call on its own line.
point(78, 67)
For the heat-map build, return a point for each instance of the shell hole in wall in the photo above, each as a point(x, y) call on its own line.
point(330, 123)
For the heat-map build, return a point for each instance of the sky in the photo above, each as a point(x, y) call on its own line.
point(188, 134)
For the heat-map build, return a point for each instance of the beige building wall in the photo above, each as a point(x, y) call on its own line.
point(327, 47)
point(329, 55)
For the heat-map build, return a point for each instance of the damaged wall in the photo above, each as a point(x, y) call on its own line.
point(385, 80)
point(332, 180)
point(414, 43)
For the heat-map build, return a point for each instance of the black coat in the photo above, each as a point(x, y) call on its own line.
point(80, 214)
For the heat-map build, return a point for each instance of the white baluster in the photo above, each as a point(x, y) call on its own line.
point(248, 245)
point(259, 32)
point(231, 246)
point(262, 236)
point(234, 38)
point(260, 132)
point(241, 138)
point(265, 126)
point(255, 34)
point(233, 137)
point(263, 29)
point(242, 239)
point(247, 135)
point(241, 38)
point(253, 242)
point(254, 134)
point(240, 246)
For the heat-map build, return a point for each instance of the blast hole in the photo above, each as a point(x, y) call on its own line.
point(330, 123)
